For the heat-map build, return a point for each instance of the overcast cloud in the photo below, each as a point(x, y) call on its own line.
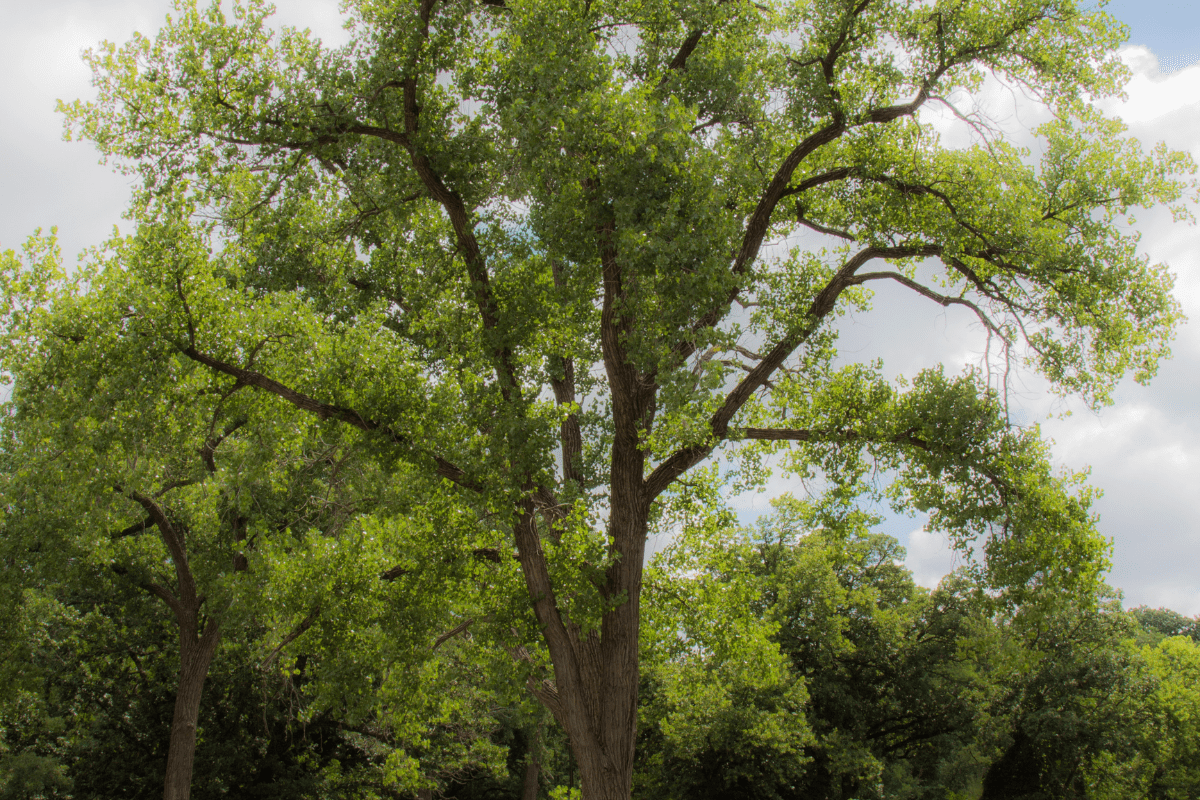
point(1144, 451)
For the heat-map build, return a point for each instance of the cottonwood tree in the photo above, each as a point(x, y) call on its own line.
point(532, 249)
point(112, 461)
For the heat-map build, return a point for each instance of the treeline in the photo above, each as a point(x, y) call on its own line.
point(790, 660)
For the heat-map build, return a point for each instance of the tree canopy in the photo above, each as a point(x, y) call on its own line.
point(536, 262)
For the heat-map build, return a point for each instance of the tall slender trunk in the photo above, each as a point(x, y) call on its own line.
point(195, 655)
point(533, 767)
point(196, 650)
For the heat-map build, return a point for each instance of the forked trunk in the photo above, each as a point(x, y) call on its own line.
point(195, 655)
point(595, 689)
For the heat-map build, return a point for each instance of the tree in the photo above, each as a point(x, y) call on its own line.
point(900, 684)
point(902, 680)
point(95, 480)
point(722, 714)
point(1161, 623)
point(1078, 712)
point(1172, 744)
point(525, 248)
point(176, 487)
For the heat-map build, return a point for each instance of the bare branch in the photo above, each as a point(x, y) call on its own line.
point(944, 300)
point(819, 228)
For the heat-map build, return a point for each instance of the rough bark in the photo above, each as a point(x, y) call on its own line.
point(195, 655)
point(198, 641)
point(533, 771)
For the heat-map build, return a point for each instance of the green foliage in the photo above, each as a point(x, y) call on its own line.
point(1160, 623)
point(721, 713)
point(1078, 709)
point(823, 627)
point(493, 279)
point(1173, 743)
point(421, 256)
point(896, 691)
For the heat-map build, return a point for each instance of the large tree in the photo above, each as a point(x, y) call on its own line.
point(264, 530)
point(531, 249)
point(106, 467)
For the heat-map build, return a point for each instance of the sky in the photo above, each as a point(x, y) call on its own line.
point(1143, 451)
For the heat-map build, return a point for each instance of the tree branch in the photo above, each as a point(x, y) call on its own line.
point(684, 459)
point(136, 529)
point(325, 411)
point(679, 62)
point(944, 300)
point(450, 634)
point(209, 448)
point(292, 636)
point(174, 540)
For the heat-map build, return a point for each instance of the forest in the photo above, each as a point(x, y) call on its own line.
point(809, 666)
point(394, 447)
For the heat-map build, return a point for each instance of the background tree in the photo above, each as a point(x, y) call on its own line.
point(1161, 623)
point(897, 691)
point(523, 247)
point(176, 487)
point(897, 685)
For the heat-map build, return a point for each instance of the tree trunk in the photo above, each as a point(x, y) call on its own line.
point(594, 694)
point(533, 767)
point(196, 650)
point(195, 655)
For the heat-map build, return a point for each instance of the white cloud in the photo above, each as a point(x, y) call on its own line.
point(1151, 92)
point(930, 557)
point(1144, 452)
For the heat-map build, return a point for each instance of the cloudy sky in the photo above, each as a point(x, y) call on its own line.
point(1144, 451)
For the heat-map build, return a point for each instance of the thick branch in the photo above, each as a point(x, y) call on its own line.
point(482, 553)
point(570, 434)
point(683, 460)
point(326, 411)
point(164, 594)
point(173, 538)
point(679, 62)
point(136, 529)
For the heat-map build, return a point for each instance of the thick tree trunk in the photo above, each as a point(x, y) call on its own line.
point(595, 688)
point(195, 655)
point(530, 784)
point(594, 694)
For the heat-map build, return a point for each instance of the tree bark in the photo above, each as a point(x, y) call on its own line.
point(196, 650)
point(533, 767)
point(195, 655)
